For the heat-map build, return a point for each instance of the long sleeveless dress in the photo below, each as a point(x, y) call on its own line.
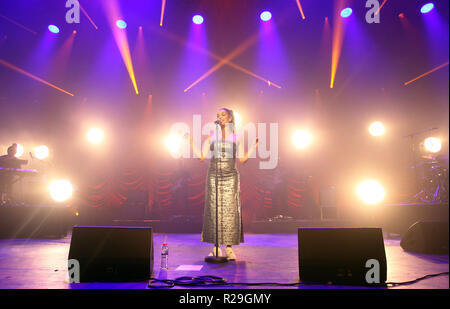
point(229, 204)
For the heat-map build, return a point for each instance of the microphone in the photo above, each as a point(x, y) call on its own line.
point(217, 121)
point(31, 155)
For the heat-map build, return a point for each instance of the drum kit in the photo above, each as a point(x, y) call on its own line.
point(431, 174)
point(433, 179)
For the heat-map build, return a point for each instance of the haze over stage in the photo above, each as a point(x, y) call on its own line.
point(106, 99)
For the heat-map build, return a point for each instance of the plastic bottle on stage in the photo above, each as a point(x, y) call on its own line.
point(165, 256)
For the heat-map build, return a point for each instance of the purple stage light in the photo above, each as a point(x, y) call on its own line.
point(197, 19)
point(53, 29)
point(426, 8)
point(121, 24)
point(346, 12)
point(266, 16)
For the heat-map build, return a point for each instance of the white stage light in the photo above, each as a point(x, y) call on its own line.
point(95, 136)
point(61, 190)
point(371, 192)
point(302, 139)
point(376, 129)
point(41, 152)
point(433, 144)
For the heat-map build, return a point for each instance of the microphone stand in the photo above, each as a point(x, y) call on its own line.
point(216, 258)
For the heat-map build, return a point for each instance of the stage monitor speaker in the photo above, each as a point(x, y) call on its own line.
point(426, 237)
point(343, 256)
point(112, 254)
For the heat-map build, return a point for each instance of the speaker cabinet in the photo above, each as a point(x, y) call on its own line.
point(343, 256)
point(112, 254)
point(426, 237)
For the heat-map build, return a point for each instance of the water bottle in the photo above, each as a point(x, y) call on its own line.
point(165, 256)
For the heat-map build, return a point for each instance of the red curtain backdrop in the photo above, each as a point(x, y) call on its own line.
point(181, 191)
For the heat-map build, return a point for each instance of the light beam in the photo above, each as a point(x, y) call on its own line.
point(120, 36)
point(18, 24)
point(426, 73)
point(88, 17)
point(300, 8)
point(19, 70)
point(338, 36)
point(163, 7)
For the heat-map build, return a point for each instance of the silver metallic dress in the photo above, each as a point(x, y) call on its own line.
point(229, 204)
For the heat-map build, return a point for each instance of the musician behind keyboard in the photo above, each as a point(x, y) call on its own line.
point(10, 161)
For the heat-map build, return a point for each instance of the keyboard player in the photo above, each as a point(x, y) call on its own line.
point(6, 181)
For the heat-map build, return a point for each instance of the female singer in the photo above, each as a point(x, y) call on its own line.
point(229, 204)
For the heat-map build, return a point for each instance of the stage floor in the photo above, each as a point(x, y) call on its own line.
point(42, 263)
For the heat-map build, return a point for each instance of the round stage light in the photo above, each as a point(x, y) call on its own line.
point(346, 12)
point(197, 19)
point(20, 151)
point(41, 152)
point(371, 192)
point(301, 139)
point(60, 190)
point(433, 144)
point(95, 136)
point(173, 143)
point(121, 24)
point(426, 8)
point(266, 16)
point(376, 129)
point(53, 29)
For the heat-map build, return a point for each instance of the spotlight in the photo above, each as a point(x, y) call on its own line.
point(433, 144)
point(371, 192)
point(266, 16)
point(173, 143)
point(95, 136)
point(121, 24)
point(53, 29)
point(401, 15)
point(197, 19)
point(426, 8)
point(41, 152)
point(60, 190)
point(346, 12)
point(301, 139)
point(20, 150)
point(376, 129)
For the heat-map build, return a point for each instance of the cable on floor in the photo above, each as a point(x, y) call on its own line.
point(207, 281)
